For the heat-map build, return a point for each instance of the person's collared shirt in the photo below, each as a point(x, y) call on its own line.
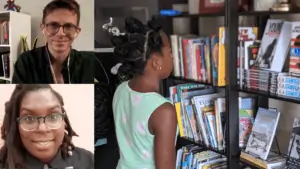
point(81, 159)
point(33, 67)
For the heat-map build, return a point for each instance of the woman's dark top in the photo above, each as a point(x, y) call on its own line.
point(81, 159)
point(32, 67)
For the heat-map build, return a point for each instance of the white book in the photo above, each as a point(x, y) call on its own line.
point(268, 43)
point(263, 133)
point(193, 6)
point(282, 48)
point(200, 102)
point(175, 52)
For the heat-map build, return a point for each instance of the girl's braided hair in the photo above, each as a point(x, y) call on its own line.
point(135, 47)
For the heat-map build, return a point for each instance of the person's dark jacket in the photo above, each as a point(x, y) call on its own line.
point(33, 67)
point(104, 92)
point(80, 158)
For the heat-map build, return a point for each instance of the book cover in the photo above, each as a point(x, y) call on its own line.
point(294, 146)
point(246, 119)
point(263, 132)
point(200, 102)
point(214, 58)
point(268, 43)
point(294, 64)
point(245, 33)
point(282, 48)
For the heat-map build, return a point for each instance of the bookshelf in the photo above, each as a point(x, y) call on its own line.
point(19, 25)
point(232, 91)
point(244, 13)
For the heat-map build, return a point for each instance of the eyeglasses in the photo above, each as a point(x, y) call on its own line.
point(68, 29)
point(30, 123)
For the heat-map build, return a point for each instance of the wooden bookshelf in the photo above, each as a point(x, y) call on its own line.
point(19, 25)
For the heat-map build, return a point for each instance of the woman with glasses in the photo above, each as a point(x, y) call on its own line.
point(56, 62)
point(37, 133)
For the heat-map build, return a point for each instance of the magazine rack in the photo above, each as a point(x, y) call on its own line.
point(277, 147)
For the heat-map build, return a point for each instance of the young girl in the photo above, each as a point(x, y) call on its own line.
point(146, 124)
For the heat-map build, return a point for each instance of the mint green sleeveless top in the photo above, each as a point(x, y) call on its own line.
point(132, 111)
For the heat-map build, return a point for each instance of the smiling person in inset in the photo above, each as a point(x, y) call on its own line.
point(56, 62)
point(37, 132)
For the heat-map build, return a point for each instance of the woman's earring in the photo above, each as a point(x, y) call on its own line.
point(159, 68)
point(70, 153)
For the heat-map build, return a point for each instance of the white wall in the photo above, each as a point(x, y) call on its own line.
point(79, 105)
point(85, 40)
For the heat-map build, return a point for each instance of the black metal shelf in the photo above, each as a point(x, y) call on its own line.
point(187, 80)
point(245, 13)
point(231, 22)
point(260, 13)
point(182, 79)
point(186, 14)
point(253, 166)
point(250, 91)
point(248, 164)
point(186, 141)
point(270, 95)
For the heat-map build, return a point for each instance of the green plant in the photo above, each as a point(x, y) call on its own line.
point(25, 43)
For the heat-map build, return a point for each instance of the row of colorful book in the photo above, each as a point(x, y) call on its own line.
point(259, 62)
point(201, 118)
point(203, 58)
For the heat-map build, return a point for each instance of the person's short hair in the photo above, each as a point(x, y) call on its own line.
point(71, 5)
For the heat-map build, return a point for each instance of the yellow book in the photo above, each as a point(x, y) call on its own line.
point(221, 59)
point(208, 109)
point(179, 119)
point(245, 33)
point(207, 166)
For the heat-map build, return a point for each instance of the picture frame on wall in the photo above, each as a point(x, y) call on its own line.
point(218, 6)
point(211, 6)
point(104, 13)
point(102, 17)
